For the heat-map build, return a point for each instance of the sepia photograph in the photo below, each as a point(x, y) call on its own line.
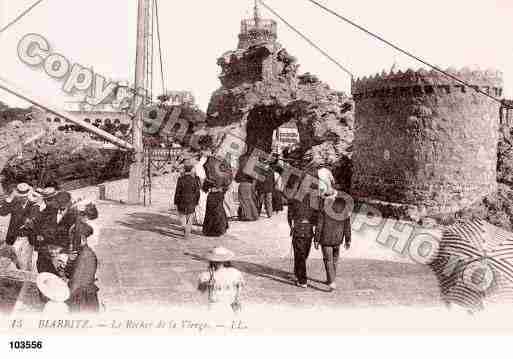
point(255, 168)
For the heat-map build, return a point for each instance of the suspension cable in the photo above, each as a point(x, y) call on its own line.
point(20, 16)
point(304, 37)
point(160, 48)
point(407, 53)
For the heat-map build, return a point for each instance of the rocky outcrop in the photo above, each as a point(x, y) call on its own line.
point(261, 90)
point(55, 157)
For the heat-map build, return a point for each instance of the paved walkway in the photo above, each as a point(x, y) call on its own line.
point(146, 262)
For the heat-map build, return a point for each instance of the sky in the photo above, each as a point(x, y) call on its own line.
point(101, 34)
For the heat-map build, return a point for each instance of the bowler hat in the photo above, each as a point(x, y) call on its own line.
point(220, 254)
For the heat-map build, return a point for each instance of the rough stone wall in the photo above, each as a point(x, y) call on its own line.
point(425, 141)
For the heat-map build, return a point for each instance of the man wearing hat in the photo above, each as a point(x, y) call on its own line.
point(37, 199)
point(40, 197)
point(66, 215)
point(52, 228)
point(18, 206)
point(187, 197)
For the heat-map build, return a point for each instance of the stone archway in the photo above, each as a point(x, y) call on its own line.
point(261, 123)
point(262, 90)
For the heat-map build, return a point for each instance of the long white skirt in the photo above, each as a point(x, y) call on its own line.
point(201, 209)
point(230, 207)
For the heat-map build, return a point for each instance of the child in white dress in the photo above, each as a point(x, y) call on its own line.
point(222, 282)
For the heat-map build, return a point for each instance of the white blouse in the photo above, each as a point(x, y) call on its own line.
point(223, 286)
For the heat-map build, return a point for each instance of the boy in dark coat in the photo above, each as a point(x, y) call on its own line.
point(302, 219)
point(333, 230)
point(187, 197)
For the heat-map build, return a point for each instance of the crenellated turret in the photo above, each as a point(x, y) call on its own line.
point(425, 140)
point(427, 82)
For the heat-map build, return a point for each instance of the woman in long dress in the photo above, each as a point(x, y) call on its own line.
point(219, 178)
point(247, 210)
point(84, 265)
point(202, 204)
point(278, 193)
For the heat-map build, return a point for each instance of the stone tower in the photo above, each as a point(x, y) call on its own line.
point(425, 142)
point(257, 30)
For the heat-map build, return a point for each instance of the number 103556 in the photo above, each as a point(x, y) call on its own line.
point(25, 344)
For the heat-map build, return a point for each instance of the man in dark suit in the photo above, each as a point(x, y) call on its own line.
point(66, 218)
point(187, 197)
point(21, 210)
point(52, 228)
point(302, 219)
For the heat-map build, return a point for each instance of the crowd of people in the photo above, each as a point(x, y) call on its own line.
point(48, 231)
point(48, 234)
point(200, 196)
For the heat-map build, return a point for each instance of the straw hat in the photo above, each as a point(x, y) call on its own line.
point(22, 190)
point(47, 192)
point(52, 287)
point(36, 195)
point(220, 254)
